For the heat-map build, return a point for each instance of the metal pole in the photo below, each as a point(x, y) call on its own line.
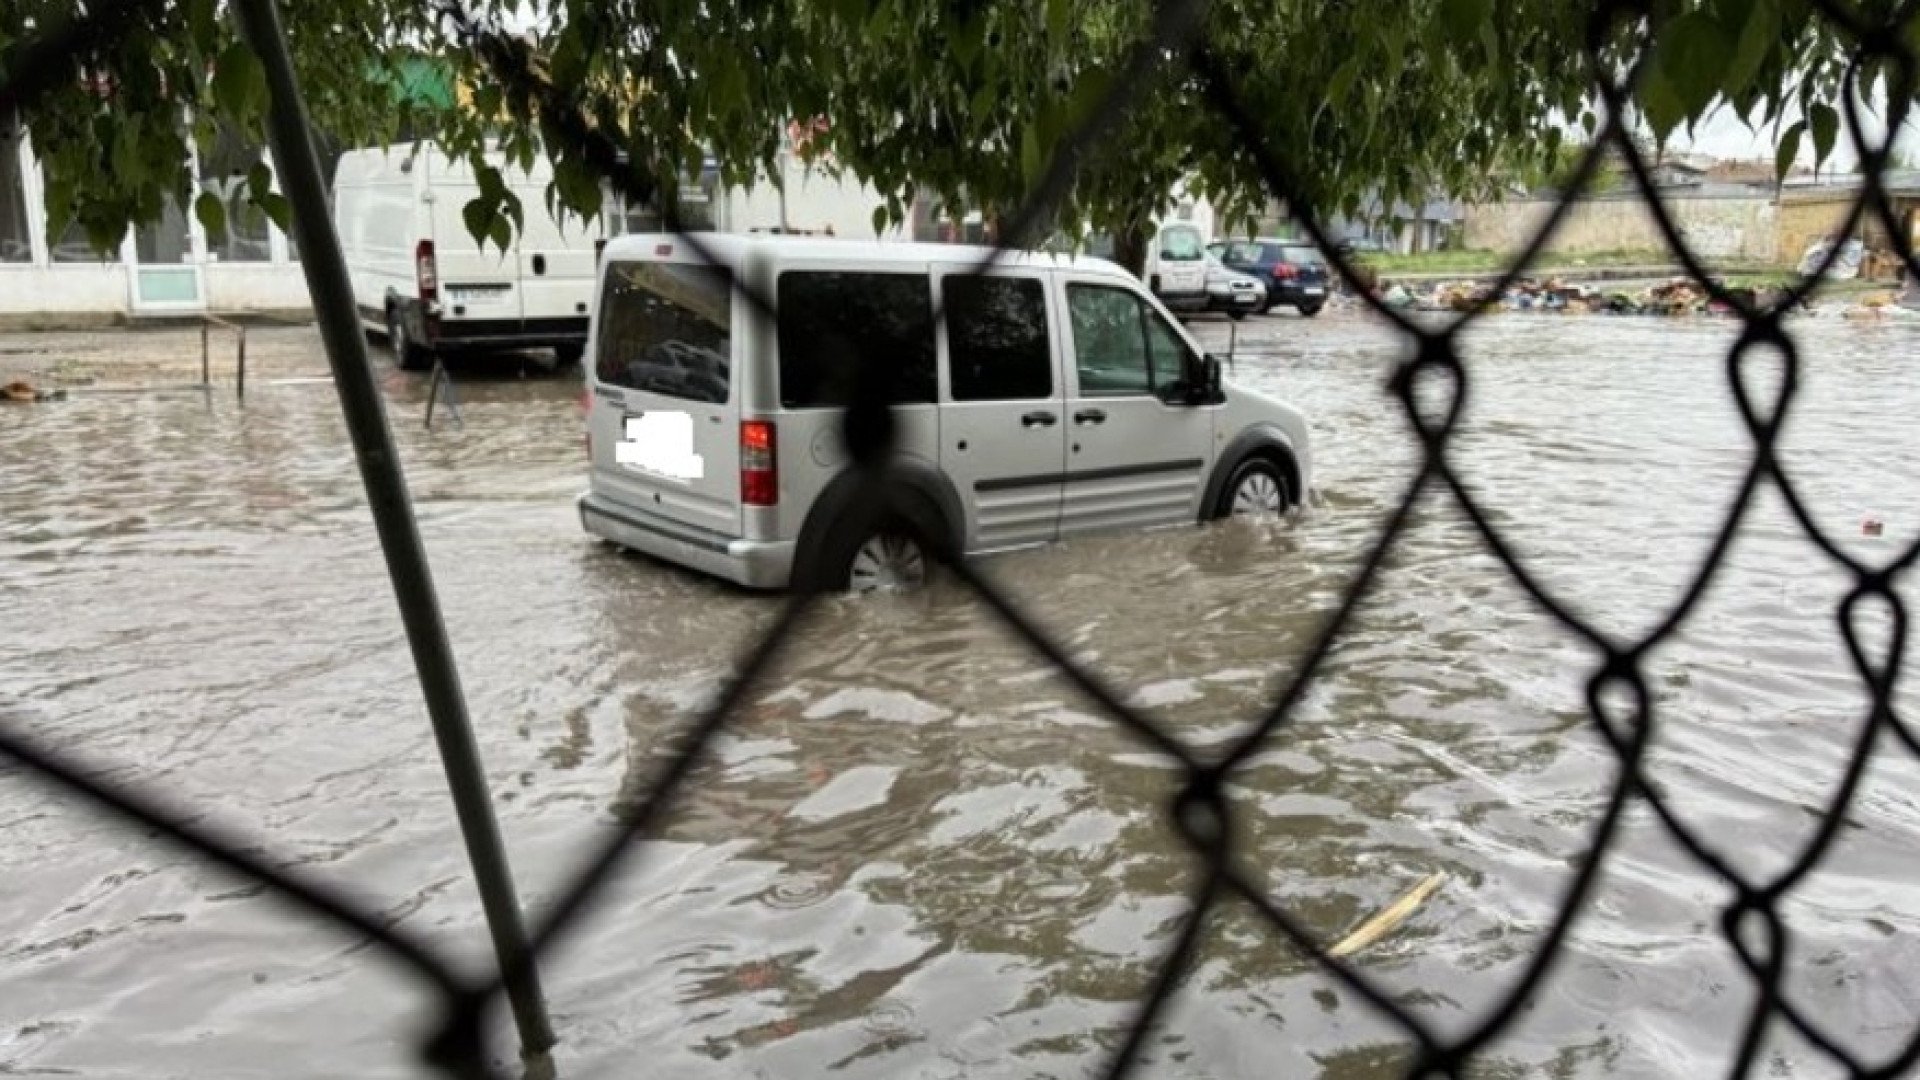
point(387, 498)
point(205, 330)
point(240, 378)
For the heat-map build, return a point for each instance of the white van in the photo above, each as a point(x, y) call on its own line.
point(1054, 397)
point(420, 277)
point(1176, 267)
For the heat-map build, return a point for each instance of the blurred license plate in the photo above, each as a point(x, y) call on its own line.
point(660, 443)
point(1314, 290)
point(471, 294)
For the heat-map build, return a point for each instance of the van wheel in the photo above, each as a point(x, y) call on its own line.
point(888, 560)
point(1258, 489)
point(1309, 310)
point(408, 355)
point(568, 354)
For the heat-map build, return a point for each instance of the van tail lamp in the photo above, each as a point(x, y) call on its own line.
point(599, 251)
point(1285, 272)
point(663, 250)
point(759, 464)
point(426, 274)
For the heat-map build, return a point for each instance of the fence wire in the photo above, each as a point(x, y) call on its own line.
point(1620, 705)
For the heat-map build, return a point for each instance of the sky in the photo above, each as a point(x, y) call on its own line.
point(1724, 135)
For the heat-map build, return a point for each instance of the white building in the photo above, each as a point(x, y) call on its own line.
point(171, 267)
point(174, 268)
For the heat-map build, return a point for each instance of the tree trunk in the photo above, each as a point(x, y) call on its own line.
point(1130, 247)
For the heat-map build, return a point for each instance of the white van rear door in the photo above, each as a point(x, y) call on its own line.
point(665, 415)
point(556, 260)
point(477, 283)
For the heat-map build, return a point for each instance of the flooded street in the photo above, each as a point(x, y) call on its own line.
point(920, 852)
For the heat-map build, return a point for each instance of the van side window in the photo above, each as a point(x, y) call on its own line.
point(997, 345)
point(832, 320)
point(665, 328)
point(1110, 341)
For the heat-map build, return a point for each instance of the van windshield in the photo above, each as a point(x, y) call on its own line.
point(1181, 243)
point(665, 329)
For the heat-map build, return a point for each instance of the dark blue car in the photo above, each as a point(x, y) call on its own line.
point(1293, 272)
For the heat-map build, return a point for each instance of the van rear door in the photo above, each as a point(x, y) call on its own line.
point(555, 261)
point(665, 414)
point(477, 283)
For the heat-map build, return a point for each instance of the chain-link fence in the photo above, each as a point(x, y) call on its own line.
point(1621, 707)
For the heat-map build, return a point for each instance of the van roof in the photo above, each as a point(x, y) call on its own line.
point(734, 249)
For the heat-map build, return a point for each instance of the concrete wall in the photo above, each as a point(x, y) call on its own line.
point(1714, 228)
point(1811, 216)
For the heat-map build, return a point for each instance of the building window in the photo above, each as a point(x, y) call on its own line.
point(246, 236)
point(72, 246)
point(16, 236)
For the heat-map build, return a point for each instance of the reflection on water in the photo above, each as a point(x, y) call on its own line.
point(919, 850)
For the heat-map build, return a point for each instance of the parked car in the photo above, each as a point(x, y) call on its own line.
point(420, 277)
point(1054, 397)
point(1176, 269)
point(1360, 245)
point(1233, 292)
point(1293, 271)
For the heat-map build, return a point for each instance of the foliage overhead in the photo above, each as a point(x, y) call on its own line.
point(964, 101)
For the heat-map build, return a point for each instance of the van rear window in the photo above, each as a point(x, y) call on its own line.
point(831, 321)
point(665, 329)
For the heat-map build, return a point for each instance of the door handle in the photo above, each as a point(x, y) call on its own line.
point(539, 264)
point(1090, 416)
point(1039, 419)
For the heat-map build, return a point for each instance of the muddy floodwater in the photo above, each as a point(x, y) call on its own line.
point(918, 851)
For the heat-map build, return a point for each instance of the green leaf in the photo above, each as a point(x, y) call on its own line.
point(1757, 36)
point(277, 208)
point(1031, 162)
point(1661, 104)
point(239, 82)
point(879, 220)
point(1059, 15)
point(212, 215)
point(1462, 19)
point(478, 215)
point(501, 233)
point(1788, 150)
point(1693, 58)
point(1342, 81)
point(1826, 127)
point(259, 180)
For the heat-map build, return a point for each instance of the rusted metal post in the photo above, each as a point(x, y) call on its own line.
point(392, 508)
point(240, 367)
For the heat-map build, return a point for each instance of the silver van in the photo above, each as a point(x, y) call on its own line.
point(1053, 397)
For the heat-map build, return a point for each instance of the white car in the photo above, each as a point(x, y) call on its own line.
point(1052, 397)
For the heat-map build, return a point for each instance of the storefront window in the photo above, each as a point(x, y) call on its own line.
point(223, 174)
point(72, 247)
point(16, 237)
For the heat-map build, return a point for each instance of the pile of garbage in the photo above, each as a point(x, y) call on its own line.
point(1674, 298)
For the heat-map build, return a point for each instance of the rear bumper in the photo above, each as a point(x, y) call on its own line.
point(1297, 294)
point(756, 564)
point(508, 333)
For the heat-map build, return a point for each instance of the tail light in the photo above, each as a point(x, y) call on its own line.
point(759, 464)
point(1285, 272)
point(426, 274)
